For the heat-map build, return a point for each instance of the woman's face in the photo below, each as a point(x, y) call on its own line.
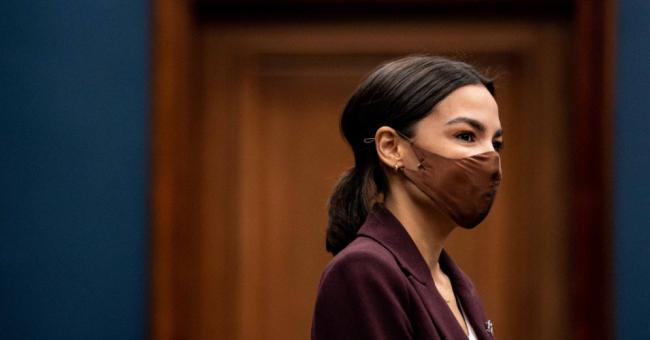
point(463, 124)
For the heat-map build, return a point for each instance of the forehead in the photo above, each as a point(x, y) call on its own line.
point(471, 101)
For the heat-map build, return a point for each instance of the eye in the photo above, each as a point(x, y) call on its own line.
point(498, 145)
point(466, 136)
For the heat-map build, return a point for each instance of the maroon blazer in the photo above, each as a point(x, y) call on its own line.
point(380, 287)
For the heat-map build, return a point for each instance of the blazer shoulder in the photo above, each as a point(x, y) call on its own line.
point(364, 259)
point(362, 295)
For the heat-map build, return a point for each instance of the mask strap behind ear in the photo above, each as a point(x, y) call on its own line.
point(371, 140)
point(413, 147)
point(404, 136)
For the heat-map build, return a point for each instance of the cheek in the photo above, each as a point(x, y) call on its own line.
point(455, 150)
point(447, 145)
point(437, 141)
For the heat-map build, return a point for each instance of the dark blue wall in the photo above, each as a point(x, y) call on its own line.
point(632, 210)
point(73, 169)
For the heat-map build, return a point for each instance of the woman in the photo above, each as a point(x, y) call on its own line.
point(425, 133)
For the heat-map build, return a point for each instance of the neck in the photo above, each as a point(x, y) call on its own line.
point(427, 227)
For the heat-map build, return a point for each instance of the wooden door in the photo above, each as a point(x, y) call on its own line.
point(267, 153)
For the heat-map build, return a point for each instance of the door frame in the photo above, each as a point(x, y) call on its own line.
point(175, 25)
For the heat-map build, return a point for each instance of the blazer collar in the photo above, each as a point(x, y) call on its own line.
point(382, 226)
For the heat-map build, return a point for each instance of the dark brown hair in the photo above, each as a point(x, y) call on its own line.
point(399, 93)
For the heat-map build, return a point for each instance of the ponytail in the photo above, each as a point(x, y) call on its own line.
point(347, 209)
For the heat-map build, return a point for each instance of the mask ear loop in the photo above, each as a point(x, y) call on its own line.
point(414, 148)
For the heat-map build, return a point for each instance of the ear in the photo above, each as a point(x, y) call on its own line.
point(389, 147)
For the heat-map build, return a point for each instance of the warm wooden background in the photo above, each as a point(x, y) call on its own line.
point(247, 150)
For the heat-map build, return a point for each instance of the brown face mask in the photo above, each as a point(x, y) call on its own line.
point(463, 188)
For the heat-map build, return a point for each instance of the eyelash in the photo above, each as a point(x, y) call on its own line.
point(498, 145)
point(466, 133)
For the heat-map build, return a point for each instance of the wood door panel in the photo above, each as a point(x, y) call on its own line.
point(270, 154)
point(301, 160)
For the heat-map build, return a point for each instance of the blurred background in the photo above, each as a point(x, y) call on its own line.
point(166, 164)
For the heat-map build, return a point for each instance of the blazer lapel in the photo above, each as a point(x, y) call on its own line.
point(440, 314)
point(467, 295)
point(382, 226)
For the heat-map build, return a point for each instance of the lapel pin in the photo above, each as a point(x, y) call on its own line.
point(489, 327)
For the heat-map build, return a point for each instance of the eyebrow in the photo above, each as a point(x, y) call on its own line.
point(473, 123)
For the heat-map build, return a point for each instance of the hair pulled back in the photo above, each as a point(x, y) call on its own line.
point(399, 93)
